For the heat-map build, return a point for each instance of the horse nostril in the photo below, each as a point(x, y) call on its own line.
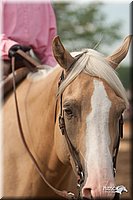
point(84, 198)
point(87, 194)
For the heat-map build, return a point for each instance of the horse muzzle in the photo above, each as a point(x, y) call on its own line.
point(118, 190)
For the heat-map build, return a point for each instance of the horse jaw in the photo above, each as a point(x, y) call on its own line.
point(99, 167)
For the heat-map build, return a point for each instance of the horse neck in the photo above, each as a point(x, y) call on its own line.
point(55, 168)
point(42, 101)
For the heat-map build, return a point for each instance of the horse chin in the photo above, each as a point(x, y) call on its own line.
point(88, 195)
point(116, 197)
point(91, 198)
point(84, 198)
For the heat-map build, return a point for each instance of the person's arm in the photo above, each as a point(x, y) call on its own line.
point(44, 51)
point(48, 57)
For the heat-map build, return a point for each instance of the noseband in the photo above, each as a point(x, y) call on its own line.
point(73, 151)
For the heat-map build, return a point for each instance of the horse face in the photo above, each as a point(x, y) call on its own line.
point(91, 112)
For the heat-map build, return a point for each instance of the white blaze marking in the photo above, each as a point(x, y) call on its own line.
point(97, 131)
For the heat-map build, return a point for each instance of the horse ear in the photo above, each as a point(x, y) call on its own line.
point(120, 53)
point(62, 56)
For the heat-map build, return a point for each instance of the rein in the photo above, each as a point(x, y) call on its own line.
point(64, 194)
point(74, 153)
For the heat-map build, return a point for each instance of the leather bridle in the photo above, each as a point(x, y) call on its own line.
point(73, 151)
point(75, 154)
point(117, 143)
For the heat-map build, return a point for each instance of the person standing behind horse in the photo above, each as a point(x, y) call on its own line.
point(28, 25)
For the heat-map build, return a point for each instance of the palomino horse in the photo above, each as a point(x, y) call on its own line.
point(91, 100)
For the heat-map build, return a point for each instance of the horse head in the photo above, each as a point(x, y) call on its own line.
point(93, 100)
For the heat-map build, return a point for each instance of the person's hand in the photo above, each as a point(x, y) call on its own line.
point(14, 48)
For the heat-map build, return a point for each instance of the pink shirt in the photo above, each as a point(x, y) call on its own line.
point(30, 24)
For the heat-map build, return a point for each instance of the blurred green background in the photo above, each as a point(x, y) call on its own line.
point(87, 24)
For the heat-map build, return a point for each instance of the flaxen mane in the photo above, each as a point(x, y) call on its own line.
point(94, 64)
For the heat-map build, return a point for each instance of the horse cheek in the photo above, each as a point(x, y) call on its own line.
point(61, 146)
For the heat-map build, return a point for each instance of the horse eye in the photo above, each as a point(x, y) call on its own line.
point(69, 112)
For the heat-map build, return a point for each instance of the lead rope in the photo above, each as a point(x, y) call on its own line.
point(64, 194)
